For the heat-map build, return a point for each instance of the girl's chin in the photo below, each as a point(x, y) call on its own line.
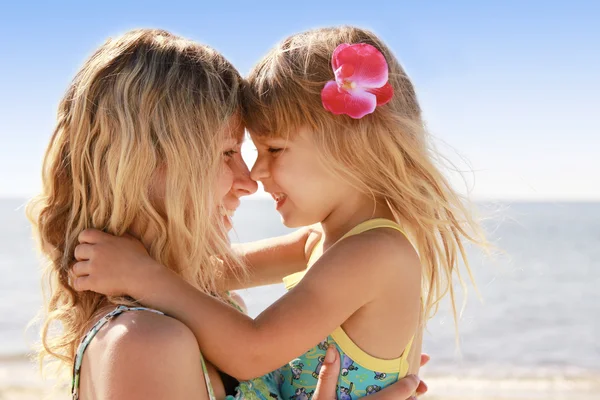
point(289, 222)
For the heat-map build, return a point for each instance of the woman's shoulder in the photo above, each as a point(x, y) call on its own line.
point(145, 337)
point(137, 331)
point(143, 352)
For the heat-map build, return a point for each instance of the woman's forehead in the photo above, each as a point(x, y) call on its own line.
point(235, 129)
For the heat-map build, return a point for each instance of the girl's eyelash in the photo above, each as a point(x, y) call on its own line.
point(229, 153)
point(271, 150)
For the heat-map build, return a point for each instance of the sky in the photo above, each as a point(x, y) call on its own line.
point(509, 89)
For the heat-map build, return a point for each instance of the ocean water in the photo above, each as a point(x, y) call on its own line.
point(536, 327)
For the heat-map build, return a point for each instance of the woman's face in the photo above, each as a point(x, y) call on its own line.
point(234, 179)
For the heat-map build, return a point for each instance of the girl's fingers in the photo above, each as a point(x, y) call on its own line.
point(91, 236)
point(82, 283)
point(84, 251)
point(424, 359)
point(81, 269)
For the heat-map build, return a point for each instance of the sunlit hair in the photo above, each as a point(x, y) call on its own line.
point(145, 107)
point(387, 155)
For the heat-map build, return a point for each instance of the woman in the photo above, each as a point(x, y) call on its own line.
point(147, 143)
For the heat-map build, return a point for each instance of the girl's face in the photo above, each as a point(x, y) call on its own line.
point(234, 179)
point(305, 190)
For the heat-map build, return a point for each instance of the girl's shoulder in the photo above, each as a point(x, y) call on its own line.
point(373, 256)
point(382, 245)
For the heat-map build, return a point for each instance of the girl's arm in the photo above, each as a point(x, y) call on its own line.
point(269, 260)
point(343, 280)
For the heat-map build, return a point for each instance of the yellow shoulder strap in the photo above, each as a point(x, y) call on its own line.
point(360, 228)
point(404, 356)
point(373, 224)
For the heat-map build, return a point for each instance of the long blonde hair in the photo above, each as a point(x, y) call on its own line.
point(144, 105)
point(388, 154)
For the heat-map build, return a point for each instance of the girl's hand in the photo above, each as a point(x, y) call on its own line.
point(111, 265)
point(330, 371)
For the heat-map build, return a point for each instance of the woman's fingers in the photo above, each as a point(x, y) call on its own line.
point(422, 388)
point(401, 390)
point(328, 376)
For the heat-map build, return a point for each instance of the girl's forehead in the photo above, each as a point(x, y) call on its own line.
point(264, 141)
point(269, 139)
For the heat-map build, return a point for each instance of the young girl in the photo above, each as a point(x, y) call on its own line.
point(341, 143)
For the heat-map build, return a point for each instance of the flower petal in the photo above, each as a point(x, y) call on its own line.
point(384, 94)
point(360, 103)
point(370, 66)
point(333, 98)
point(344, 72)
point(334, 57)
point(356, 104)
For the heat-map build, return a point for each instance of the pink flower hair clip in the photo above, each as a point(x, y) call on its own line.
point(361, 81)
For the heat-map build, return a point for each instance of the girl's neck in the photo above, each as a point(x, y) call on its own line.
point(349, 214)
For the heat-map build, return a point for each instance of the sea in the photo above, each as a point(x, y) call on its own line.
point(529, 330)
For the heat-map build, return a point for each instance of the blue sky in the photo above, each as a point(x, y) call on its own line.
point(512, 86)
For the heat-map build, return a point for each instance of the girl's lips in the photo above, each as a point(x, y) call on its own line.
point(279, 202)
point(279, 199)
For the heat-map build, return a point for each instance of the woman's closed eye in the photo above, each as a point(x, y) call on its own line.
point(230, 153)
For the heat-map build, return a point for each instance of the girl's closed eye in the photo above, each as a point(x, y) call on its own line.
point(274, 150)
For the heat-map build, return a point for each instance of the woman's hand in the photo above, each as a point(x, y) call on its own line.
point(111, 265)
point(330, 371)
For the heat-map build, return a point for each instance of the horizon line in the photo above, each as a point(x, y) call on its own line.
point(261, 196)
